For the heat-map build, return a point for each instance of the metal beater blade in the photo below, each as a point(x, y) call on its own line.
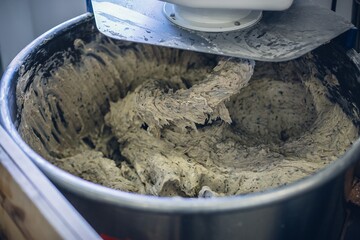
point(279, 36)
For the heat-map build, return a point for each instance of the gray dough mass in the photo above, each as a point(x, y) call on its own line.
point(171, 123)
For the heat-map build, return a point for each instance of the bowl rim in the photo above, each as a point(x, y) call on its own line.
point(152, 203)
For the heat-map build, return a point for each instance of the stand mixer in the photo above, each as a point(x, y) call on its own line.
point(311, 208)
point(286, 29)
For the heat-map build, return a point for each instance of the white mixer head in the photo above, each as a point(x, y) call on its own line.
point(270, 5)
point(219, 16)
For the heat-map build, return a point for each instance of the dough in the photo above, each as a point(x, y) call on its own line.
point(172, 123)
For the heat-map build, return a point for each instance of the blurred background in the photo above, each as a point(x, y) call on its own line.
point(21, 21)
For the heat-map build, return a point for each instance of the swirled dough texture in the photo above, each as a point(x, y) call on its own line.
point(171, 123)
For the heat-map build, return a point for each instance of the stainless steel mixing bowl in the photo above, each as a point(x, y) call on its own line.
point(312, 208)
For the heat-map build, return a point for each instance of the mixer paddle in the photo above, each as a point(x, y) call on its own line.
point(278, 36)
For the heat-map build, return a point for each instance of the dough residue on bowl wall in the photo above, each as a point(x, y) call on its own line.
point(167, 122)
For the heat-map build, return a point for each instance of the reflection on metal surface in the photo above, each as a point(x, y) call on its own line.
point(279, 36)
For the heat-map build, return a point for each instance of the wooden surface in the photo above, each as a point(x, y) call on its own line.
point(30, 206)
point(8, 228)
